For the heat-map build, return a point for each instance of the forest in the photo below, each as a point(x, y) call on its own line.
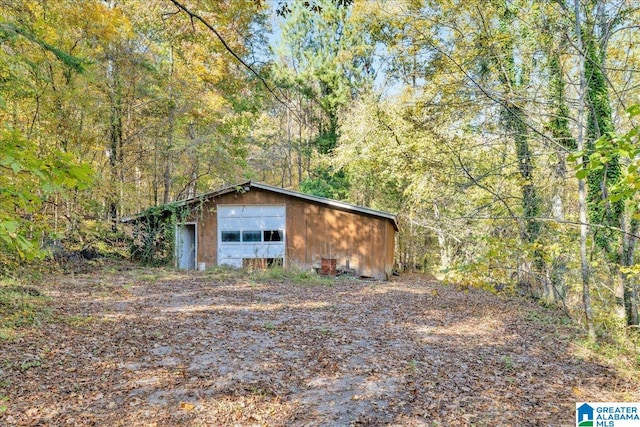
point(503, 133)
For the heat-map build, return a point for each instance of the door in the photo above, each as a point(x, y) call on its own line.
point(250, 232)
point(186, 246)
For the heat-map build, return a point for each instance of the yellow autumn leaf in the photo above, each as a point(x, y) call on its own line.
point(187, 406)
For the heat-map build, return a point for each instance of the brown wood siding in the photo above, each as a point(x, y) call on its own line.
point(390, 247)
point(314, 231)
point(205, 217)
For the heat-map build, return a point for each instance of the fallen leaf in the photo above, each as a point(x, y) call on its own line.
point(187, 406)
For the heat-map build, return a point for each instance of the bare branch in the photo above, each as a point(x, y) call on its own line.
point(194, 16)
point(545, 219)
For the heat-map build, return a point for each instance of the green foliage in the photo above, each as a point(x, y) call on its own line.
point(514, 120)
point(29, 364)
point(623, 355)
point(20, 307)
point(559, 123)
point(547, 318)
point(293, 275)
point(269, 326)
point(326, 52)
point(601, 179)
point(612, 151)
point(607, 152)
point(151, 105)
point(153, 240)
point(9, 31)
point(325, 183)
point(29, 179)
point(507, 362)
point(323, 58)
point(496, 266)
point(326, 142)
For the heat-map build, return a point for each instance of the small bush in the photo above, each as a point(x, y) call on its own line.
point(20, 306)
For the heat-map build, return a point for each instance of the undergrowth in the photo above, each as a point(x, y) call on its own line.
point(291, 274)
point(20, 307)
point(623, 354)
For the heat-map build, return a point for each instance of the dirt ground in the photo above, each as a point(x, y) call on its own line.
point(158, 348)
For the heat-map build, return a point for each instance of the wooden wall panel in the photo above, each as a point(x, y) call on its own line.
point(296, 234)
point(205, 218)
point(390, 248)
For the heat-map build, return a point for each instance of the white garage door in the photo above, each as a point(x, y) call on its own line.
point(250, 231)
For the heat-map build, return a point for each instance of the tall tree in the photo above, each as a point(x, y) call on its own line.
point(106, 81)
point(37, 169)
point(324, 57)
point(604, 210)
point(515, 120)
point(582, 194)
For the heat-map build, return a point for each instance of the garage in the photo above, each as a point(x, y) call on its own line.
point(249, 232)
point(255, 225)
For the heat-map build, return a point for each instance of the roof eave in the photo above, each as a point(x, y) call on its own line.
point(246, 186)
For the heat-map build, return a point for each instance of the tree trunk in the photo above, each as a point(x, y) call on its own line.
point(600, 124)
point(168, 157)
point(582, 194)
point(628, 308)
point(166, 176)
point(514, 121)
point(115, 141)
point(192, 188)
point(635, 319)
point(561, 133)
point(155, 172)
point(115, 134)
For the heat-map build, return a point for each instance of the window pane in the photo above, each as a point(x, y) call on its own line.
point(252, 236)
point(230, 236)
point(272, 235)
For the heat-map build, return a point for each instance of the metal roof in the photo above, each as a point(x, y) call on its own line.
point(247, 185)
